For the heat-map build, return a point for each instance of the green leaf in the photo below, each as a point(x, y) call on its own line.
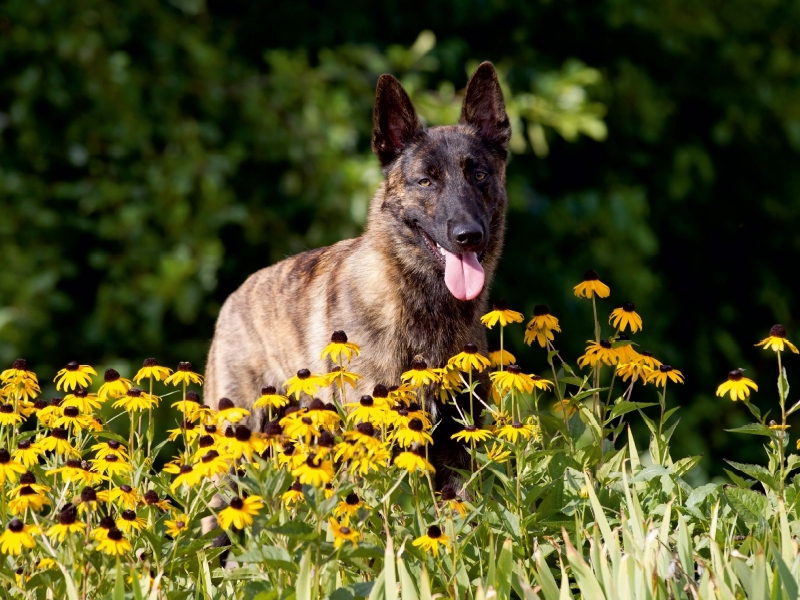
point(794, 407)
point(572, 380)
point(550, 356)
point(390, 576)
point(295, 529)
point(622, 408)
point(783, 384)
point(753, 429)
point(303, 589)
point(119, 585)
point(407, 589)
point(749, 505)
point(757, 471)
point(787, 580)
point(740, 481)
point(685, 465)
point(587, 582)
point(504, 571)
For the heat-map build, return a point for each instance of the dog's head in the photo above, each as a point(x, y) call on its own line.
point(446, 185)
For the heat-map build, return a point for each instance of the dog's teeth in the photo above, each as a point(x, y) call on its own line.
point(440, 249)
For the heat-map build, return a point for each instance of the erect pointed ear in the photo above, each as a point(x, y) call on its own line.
point(394, 120)
point(484, 107)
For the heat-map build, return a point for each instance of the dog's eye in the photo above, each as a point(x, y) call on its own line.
point(426, 182)
point(480, 175)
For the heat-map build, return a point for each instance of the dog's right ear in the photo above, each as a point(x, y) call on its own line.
point(394, 120)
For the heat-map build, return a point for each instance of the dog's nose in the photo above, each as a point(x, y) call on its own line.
point(468, 237)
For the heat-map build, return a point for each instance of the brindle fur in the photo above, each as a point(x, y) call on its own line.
point(385, 289)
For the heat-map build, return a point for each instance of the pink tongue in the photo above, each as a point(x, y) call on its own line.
point(463, 275)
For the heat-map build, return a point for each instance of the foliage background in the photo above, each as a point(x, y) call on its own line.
point(153, 154)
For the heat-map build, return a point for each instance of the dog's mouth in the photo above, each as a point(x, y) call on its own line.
point(463, 273)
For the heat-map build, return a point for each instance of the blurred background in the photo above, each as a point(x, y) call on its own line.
point(154, 153)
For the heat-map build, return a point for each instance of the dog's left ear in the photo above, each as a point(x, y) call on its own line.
point(394, 120)
point(484, 107)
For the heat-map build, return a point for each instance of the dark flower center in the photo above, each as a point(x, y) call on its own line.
point(415, 424)
point(110, 457)
point(297, 486)
point(40, 404)
point(413, 407)
point(113, 444)
point(72, 366)
point(180, 524)
point(225, 404)
point(186, 469)
point(735, 375)
point(628, 307)
point(312, 461)
point(470, 348)
point(110, 375)
point(115, 534)
point(344, 530)
point(15, 526)
point(591, 276)
point(73, 463)
point(212, 429)
point(366, 429)
point(288, 448)
point(107, 522)
point(366, 401)
point(6, 409)
point(150, 362)
point(229, 432)
point(24, 444)
point(516, 425)
point(434, 532)
point(605, 344)
point(448, 493)
point(205, 441)
point(339, 337)
point(380, 391)
point(71, 412)
point(20, 364)
point(81, 393)
point(27, 478)
point(237, 503)
point(352, 499)
point(419, 364)
point(647, 353)
point(316, 404)
point(303, 374)
point(128, 515)
point(268, 391)
point(55, 401)
point(326, 440)
point(209, 456)
point(778, 331)
point(540, 310)
point(151, 497)
point(621, 337)
point(134, 393)
point(68, 515)
point(59, 433)
point(514, 369)
point(185, 367)
point(192, 396)
point(26, 490)
point(126, 488)
point(418, 449)
point(470, 428)
point(536, 377)
point(242, 433)
point(273, 428)
point(88, 495)
point(307, 420)
point(665, 368)
point(500, 304)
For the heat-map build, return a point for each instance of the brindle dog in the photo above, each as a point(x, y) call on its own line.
point(415, 282)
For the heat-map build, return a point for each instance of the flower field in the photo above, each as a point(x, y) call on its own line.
point(338, 500)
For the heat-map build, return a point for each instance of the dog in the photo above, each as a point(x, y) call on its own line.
point(416, 282)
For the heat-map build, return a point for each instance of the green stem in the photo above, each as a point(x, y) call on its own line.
point(501, 347)
point(783, 420)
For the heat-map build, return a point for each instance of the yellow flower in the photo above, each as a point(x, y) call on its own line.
point(184, 374)
point(497, 453)
point(469, 359)
point(9, 469)
point(413, 433)
point(349, 507)
point(113, 386)
point(178, 525)
point(339, 348)
point(635, 370)
point(314, 471)
point(211, 464)
point(591, 285)
point(451, 501)
point(472, 434)
point(110, 446)
point(71, 418)
point(16, 536)
point(777, 340)
point(626, 316)
point(112, 464)
point(29, 479)
point(24, 389)
point(513, 378)
point(27, 498)
point(499, 357)
point(128, 522)
point(294, 494)
point(136, 399)
point(18, 372)
point(187, 476)
point(243, 443)
point(663, 373)
point(304, 381)
point(364, 433)
point(565, 406)
point(270, 397)
point(341, 376)
point(57, 442)
point(342, 534)
point(515, 430)
point(366, 410)
point(239, 512)
point(126, 496)
point(738, 386)
point(595, 353)
point(186, 428)
point(74, 375)
point(90, 499)
point(8, 416)
point(67, 523)
point(114, 543)
point(501, 314)
point(151, 370)
point(403, 393)
point(419, 374)
point(777, 426)
point(541, 327)
point(625, 352)
point(228, 411)
point(646, 358)
point(431, 540)
point(450, 381)
point(82, 400)
point(414, 460)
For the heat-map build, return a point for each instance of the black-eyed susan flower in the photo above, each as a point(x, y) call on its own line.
point(304, 427)
point(413, 433)
point(737, 385)
point(343, 533)
point(74, 375)
point(626, 352)
point(498, 453)
point(590, 286)
point(19, 371)
point(70, 472)
point(151, 370)
point(151, 498)
point(349, 507)
point(432, 539)
point(633, 371)
point(82, 400)
point(8, 416)
point(72, 419)
point(184, 374)
point(177, 525)
point(451, 501)
point(24, 389)
point(777, 340)
point(25, 497)
point(449, 382)
point(419, 374)
point(626, 316)
point(515, 430)
point(364, 433)
point(514, 379)
point(304, 382)
point(9, 469)
point(239, 512)
point(565, 406)
point(129, 522)
point(105, 525)
point(89, 475)
point(469, 359)
point(125, 496)
point(243, 443)
point(472, 434)
point(136, 400)
point(186, 477)
point(415, 411)
point(48, 414)
point(114, 543)
point(403, 393)
point(211, 464)
point(294, 494)
point(646, 357)
point(414, 459)
point(499, 357)
point(110, 446)
point(664, 372)
point(187, 430)
point(324, 415)
point(777, 426)
point(541, 327)
point(366, 410)
point(29, 479)
point(114, 385)
point(500, 313)
point(90, 499)
point(373, 459)
point(228, 411)
point(190, 406)
point(339, 348)
point(270, 398)
point(314, 471)
point(16, 536)
point(292, 455)
point(598, 352)
point(67, 523)
point(113, 464)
